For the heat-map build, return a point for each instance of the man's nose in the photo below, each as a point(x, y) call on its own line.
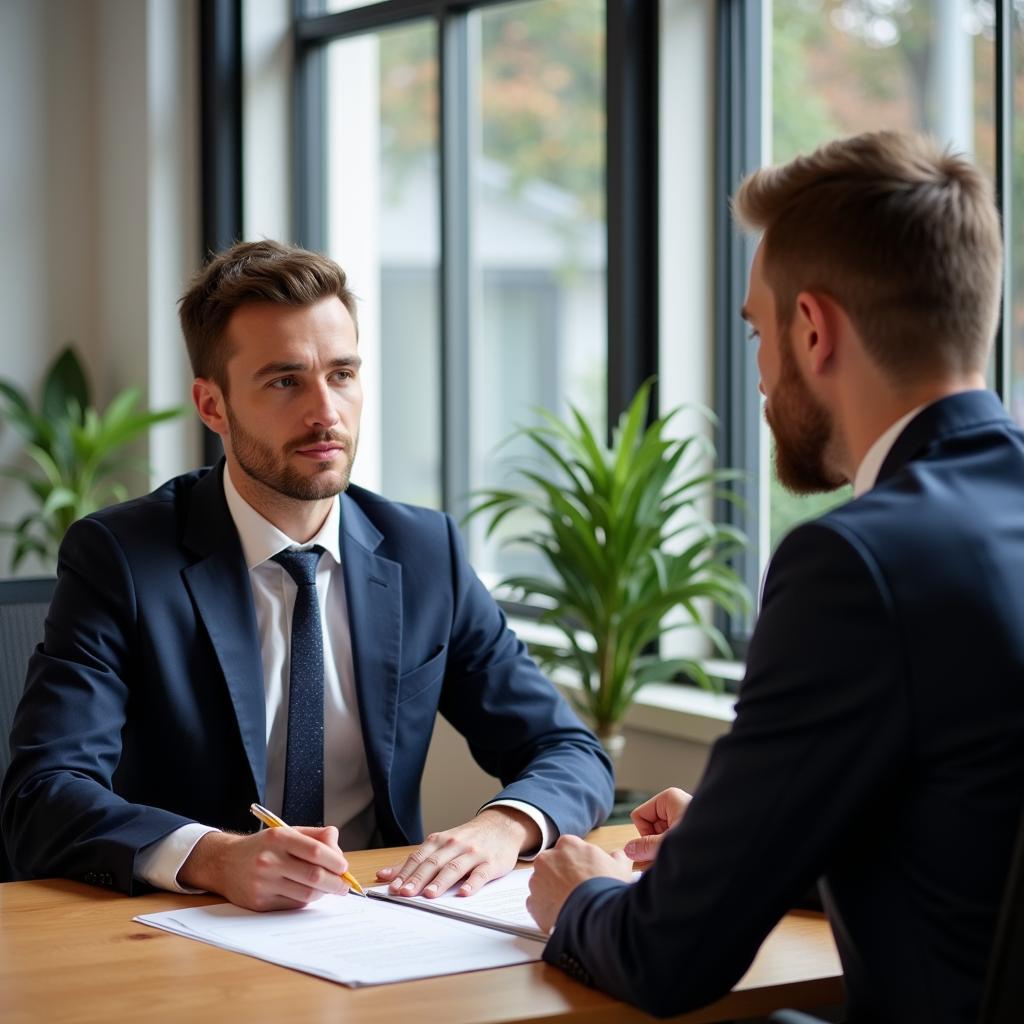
point(321, 411)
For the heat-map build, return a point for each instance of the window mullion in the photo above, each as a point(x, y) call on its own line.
point(631, 41)
point(309, 148)
point(1004, 77)
point(220, 58)
point(738, 152)
point(457, 129)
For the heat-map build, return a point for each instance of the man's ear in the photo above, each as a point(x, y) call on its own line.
point(208, 399)
point(814, 331)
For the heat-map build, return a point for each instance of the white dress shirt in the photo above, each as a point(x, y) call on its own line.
point(348, 793)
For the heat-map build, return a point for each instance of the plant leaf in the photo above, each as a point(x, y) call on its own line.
point(32, 427)
point(65, 383)
point(58, 498)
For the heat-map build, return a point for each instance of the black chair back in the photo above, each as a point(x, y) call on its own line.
point(1003, 1001)
point(23, 605)
point(1004, 989)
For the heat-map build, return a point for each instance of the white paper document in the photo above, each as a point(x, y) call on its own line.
point(357, 941)
point(499, 904)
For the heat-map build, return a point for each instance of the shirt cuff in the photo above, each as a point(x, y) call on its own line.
point(159, 863)
point(548, 830)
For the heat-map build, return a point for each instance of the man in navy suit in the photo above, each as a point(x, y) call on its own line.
point(879, 733)
point(262, 632)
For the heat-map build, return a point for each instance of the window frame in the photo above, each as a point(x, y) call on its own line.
point(632, 77)
point(220, 129)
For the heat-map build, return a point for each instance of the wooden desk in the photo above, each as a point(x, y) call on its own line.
point(70, 952)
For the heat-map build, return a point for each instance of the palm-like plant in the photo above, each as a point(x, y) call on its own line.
point(622, 530)
point(76, 451)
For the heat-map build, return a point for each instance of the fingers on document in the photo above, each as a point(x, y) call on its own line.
point(475, 875)
point(432, 869)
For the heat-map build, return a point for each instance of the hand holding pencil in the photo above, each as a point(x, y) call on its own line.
point(277, 868)
point(271, 820)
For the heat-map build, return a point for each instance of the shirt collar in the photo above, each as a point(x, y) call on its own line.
point(867, 471)
point(262, 540)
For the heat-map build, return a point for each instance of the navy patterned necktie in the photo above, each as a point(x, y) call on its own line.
point(304, 761)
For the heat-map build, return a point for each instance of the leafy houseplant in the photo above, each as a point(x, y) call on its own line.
point(76, 452)
point(621, 530)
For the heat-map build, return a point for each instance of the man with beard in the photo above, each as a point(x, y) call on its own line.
point(263, 632)
point(879, 733)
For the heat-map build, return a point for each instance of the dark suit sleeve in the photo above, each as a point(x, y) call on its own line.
point(519, 728)
point(60, 815)
point(821, 723)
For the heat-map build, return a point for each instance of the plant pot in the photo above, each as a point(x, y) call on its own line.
point(613, 742)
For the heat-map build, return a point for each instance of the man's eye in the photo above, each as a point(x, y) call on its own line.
point(344, 374)
point(283, 383)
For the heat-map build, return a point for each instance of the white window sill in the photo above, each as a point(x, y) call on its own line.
point(666, 709)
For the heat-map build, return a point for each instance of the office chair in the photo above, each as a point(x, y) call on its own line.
point(1003, 1002)
point(23, 605)
point(1003, 999)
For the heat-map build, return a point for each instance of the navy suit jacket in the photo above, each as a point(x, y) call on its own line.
point(878, 741)
point(144, 708)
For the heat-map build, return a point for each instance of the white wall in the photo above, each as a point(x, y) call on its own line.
point(47, 273)
point(98, 178)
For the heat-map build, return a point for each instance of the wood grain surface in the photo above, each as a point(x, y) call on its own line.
point(71, 952)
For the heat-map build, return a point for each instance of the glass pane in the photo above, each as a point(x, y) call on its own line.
point(383, 217)
point(539, 264)
point(845, 66)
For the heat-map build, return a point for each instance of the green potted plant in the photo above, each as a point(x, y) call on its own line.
point(76, 450)
point(622, 531)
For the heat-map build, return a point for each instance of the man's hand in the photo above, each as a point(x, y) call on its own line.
point(653, 819)
point(275, 869)
point(558, 871)
point(485, 848)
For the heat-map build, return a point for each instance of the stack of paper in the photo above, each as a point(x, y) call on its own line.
point(372, 941)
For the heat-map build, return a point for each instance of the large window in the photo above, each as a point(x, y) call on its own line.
point(453, 161)
point(537, 251)
point(487, 172)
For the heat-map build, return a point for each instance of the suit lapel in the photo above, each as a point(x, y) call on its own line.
point(220, 587)
point(373, 590)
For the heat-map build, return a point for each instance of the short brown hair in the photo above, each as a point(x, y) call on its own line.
point(264, 271)
point(902, 233)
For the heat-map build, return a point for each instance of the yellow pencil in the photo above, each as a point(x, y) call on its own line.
point(271, 820)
